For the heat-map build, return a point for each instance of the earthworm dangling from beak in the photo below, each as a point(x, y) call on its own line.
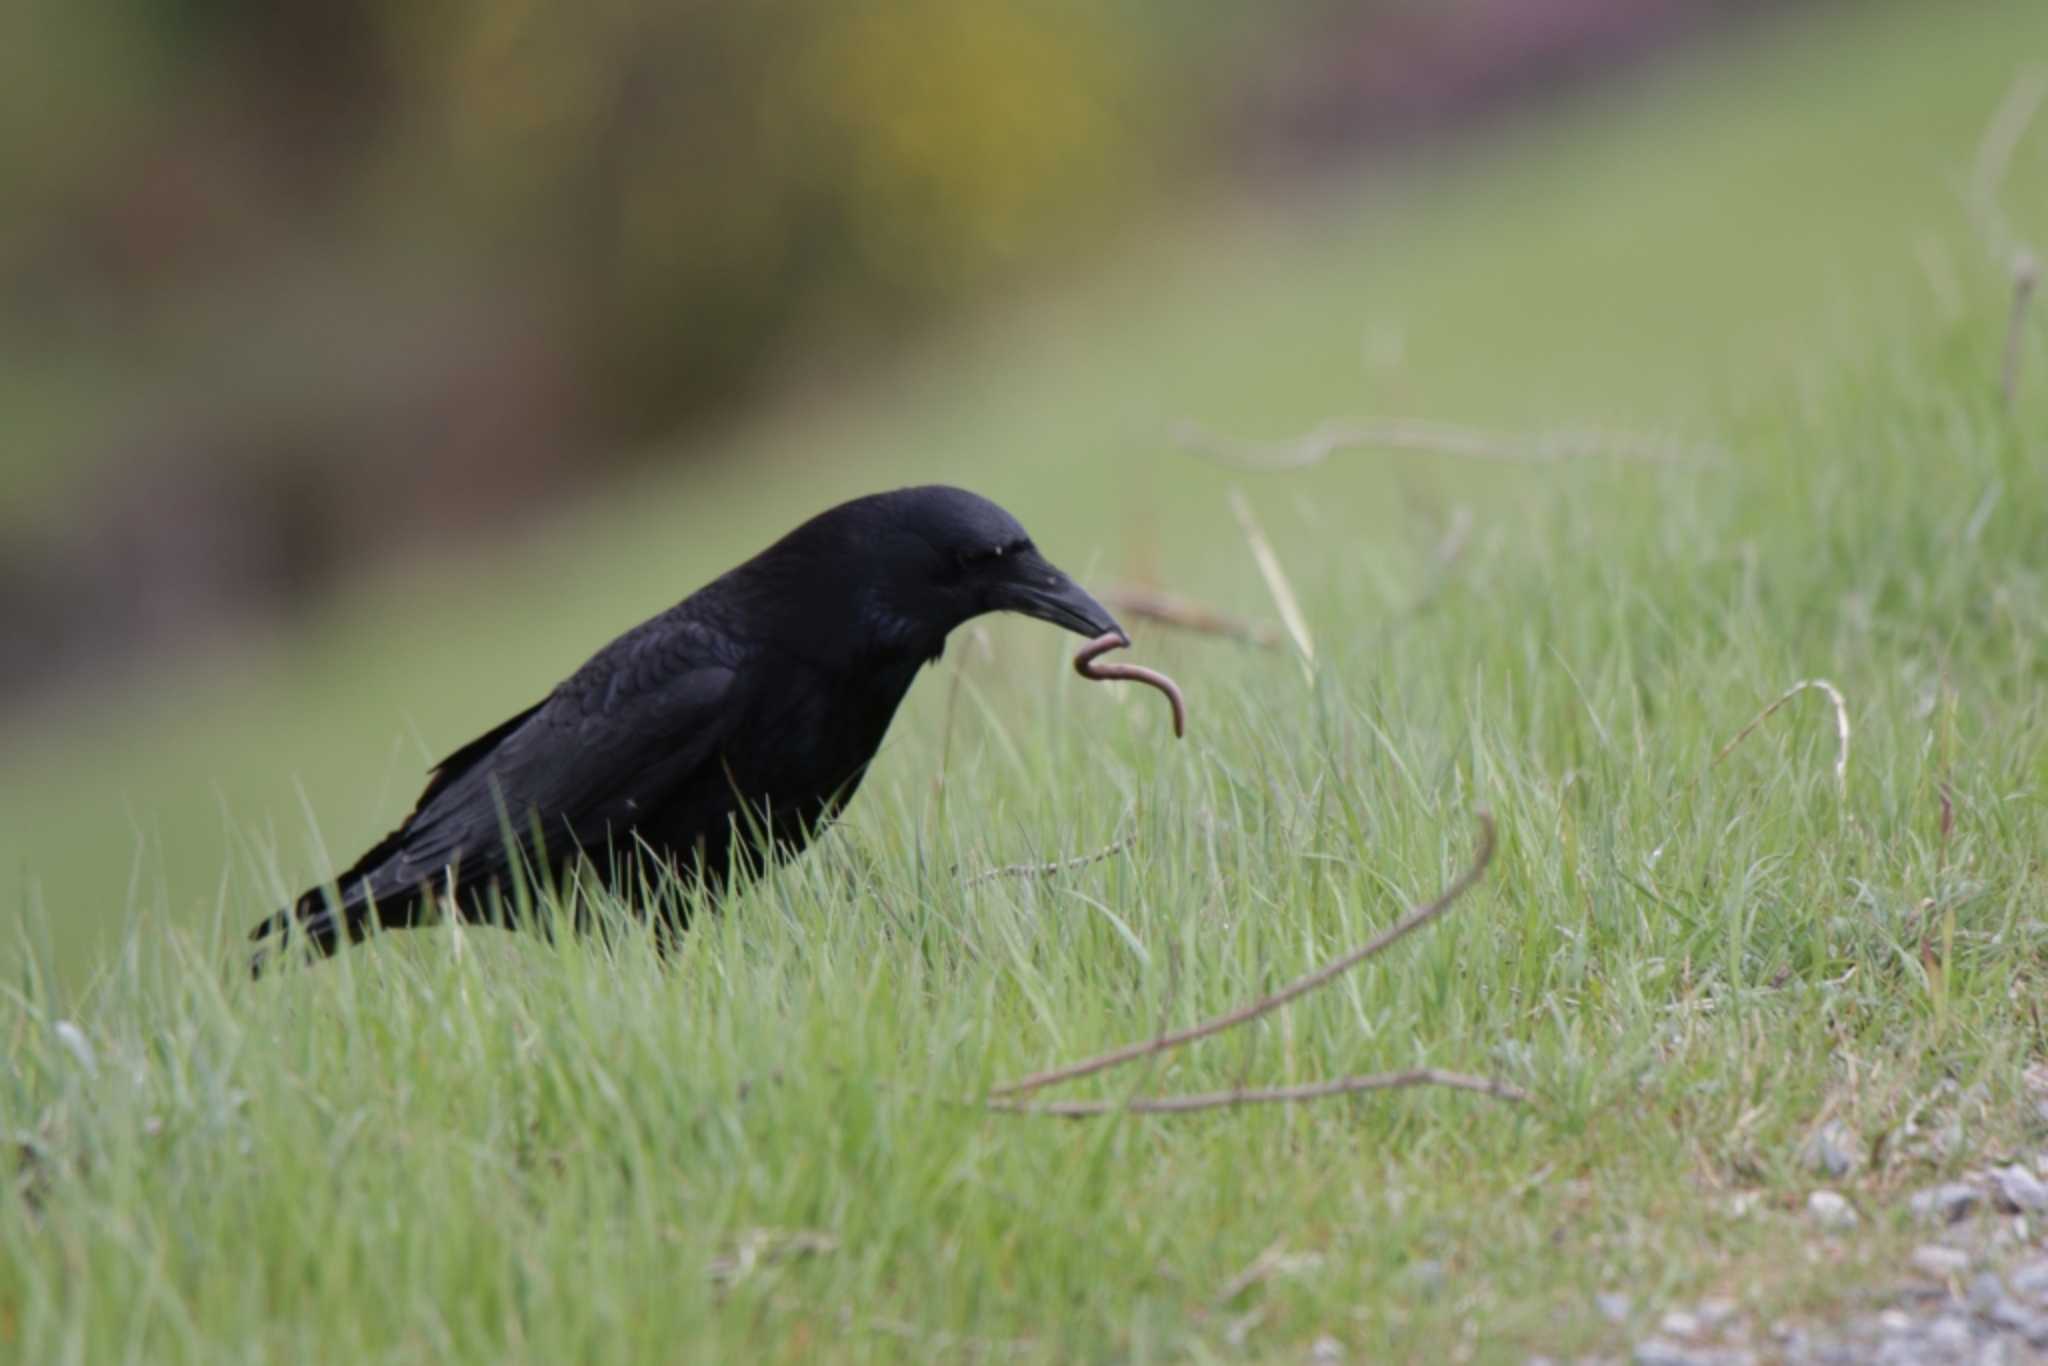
point(1085, 665)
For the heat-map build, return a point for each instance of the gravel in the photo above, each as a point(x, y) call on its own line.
point(1831, 1152)
point(1939, 1261)
point(2018, 1191)
point(1679, 1324)
point(1950, 1203)
point(1983, 1325)
point(2029, 1280)
point(1978, 1297)
point(1662, 1352)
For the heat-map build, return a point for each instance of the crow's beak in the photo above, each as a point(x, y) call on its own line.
point(1032, 586)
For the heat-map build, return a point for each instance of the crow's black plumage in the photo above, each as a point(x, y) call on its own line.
point(733, 723)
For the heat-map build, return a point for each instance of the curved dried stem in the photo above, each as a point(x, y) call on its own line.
point(1054, 867)
point(1274, 1095)
point(2026, 274)
point(1265, 1005)
point(1841, 706)
point(1171, 609)
point(1432, 438)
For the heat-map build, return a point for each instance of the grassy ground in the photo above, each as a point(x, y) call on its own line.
point(470, 1146)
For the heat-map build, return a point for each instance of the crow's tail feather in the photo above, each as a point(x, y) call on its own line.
point(371, 897)
point(314, 921)
point(326, 926)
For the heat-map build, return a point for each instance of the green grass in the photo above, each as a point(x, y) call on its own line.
point(480, 1147)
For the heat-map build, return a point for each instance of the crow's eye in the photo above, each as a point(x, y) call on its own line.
point(993, 554)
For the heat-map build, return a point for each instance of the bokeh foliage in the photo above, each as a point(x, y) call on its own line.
point(688, 184)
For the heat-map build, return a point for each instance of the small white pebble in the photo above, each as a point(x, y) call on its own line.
point(2019, 1189)
point(1949, 1335)
point(1241, 1327)
point(1949, 1203)
point(1986, 1291)
point(1932, 1259)
point(1830, 1211)
point(1679, 1324)
point(2030, 1279)
point(1831, 1151)
point(1742, 1204)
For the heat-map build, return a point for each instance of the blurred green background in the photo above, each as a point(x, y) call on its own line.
point(363, 365)
point(289, 289)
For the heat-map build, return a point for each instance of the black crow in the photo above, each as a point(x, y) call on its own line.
point(729, 727)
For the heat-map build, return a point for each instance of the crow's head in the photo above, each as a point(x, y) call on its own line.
point(935, 557)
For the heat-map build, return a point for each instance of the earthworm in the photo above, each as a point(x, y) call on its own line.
point(1085, 665)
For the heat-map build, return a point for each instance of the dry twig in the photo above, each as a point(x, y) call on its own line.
point(1004, 1095)
point(1171, 609)
point(759, 1247)
point(1841, 726)
point(2026, 273)
point(1056, 866)
point(1429, 438)
point(1457, 535)
point(1276, 1095)
point(1276, 582)
point(1274, 1261)
point(1995, 146)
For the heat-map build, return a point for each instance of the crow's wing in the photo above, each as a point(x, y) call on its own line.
point(636, 721)
point(634, 724)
